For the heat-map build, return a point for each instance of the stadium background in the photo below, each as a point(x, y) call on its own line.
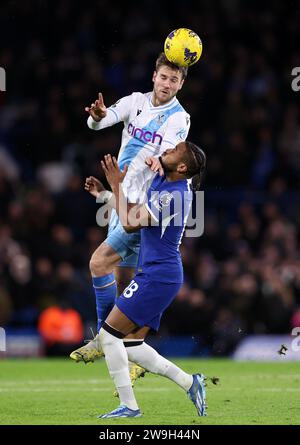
point(242, 277)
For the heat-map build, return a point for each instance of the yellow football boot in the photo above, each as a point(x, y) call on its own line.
point(89, 352)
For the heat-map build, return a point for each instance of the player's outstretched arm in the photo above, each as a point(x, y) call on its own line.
point(101, 117)
point(132, 216)
point(93, 186)
point(97, 189)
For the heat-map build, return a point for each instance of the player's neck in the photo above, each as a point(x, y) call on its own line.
point(158, 103)
point(174, 176)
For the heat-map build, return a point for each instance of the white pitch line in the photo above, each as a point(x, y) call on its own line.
point(107, 380)
point(54, 382)
point(62, 389)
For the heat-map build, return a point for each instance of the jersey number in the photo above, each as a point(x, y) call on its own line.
point(128, 292)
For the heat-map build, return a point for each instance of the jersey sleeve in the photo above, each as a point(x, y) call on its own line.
point(118, 112)
point(177, 130)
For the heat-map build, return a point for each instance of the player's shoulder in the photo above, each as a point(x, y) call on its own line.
point(138, 99)
point(181, 186)
point(181, 107)
point(137, 95)
point(161, 183)
point(163, 193)
point(181, 117)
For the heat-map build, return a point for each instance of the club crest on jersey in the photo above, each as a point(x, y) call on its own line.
point(165, 199)
point(160, 118)
point(145, 135)
point(160, 200)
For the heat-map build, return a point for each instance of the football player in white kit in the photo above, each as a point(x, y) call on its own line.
point(153, 122)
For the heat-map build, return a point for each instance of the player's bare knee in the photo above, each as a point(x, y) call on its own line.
point(99, 264)
point(103, 260)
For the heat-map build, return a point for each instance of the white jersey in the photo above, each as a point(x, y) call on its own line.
point(148, 131)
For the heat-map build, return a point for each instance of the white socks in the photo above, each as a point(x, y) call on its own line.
point(116, 357)
point(149, 359)
point(117, 362)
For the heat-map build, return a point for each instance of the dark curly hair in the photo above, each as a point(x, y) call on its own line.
point(196, 164)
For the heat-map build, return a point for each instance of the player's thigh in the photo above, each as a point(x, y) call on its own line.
point(104, 255)
point(119, 321)
point(123, 277)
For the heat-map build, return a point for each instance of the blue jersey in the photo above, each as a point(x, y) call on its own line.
point(169, 204)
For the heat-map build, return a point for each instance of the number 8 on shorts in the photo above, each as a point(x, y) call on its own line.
point(128, 292)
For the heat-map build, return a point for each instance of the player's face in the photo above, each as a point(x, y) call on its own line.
point(172, 158)
point(167, 82)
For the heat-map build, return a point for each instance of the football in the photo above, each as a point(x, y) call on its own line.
point(183, 47)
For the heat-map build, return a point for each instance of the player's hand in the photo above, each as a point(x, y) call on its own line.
point(93, 186)
point(112, 171)
point(97, 109)
point(155, 165)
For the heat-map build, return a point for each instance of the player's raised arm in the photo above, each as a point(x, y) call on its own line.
point(97, 110)
point(93, 186)
point(132, 216)
point(101, 117)
point(97, 189)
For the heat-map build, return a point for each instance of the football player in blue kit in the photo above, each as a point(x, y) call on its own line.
point(162, 219)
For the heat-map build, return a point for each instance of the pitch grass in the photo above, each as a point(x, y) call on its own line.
point(61, 392)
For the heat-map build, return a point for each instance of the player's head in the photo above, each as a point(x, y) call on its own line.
point(186, 159)
point(167, 79)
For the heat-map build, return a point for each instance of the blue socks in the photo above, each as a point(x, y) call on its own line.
point(105, 291)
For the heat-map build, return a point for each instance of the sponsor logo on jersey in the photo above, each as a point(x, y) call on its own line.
point(145, 135)
point(165, 223)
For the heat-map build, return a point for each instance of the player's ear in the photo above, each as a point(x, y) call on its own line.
point(154, 76)
point(181, 84)
point(182, 168)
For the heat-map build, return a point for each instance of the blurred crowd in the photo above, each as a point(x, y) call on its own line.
point(243, 275)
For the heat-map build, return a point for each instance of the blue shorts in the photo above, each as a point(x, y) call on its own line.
point(127, 245)
point(145, 300)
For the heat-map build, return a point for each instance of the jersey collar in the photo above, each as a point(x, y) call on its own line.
point(162, 107)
